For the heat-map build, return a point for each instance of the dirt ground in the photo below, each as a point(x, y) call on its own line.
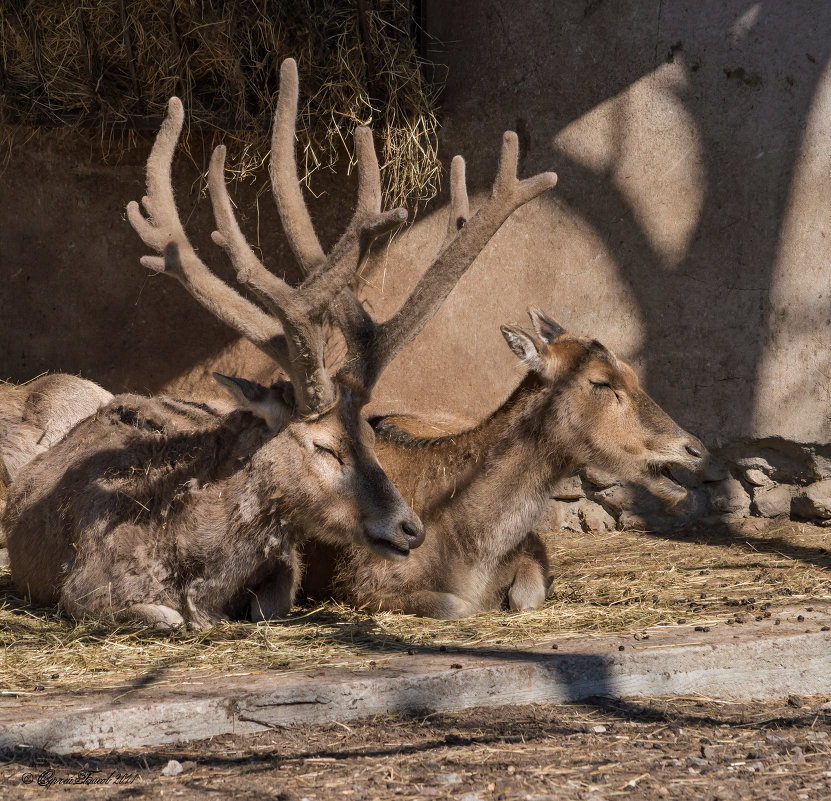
point(674, 749)
point(688, 749)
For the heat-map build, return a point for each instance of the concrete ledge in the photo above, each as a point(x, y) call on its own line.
point(755, 660)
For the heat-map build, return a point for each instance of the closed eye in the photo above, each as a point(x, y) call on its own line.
point(329, 451)
point(605, 385)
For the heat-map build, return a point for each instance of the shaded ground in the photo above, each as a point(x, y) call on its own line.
point(620, 582)
point(676, 749)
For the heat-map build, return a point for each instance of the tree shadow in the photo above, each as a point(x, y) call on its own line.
point(704, 318)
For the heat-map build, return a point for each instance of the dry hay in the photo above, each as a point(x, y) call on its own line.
point(111, 65)
point(621, 582)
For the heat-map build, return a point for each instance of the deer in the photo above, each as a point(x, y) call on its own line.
point(37, 414)
point(163, 511)
point(479, 491)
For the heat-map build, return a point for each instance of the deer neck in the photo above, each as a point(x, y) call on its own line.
point(490, 483)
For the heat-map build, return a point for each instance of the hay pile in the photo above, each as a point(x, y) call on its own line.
point(111, 65)
point(621, 582)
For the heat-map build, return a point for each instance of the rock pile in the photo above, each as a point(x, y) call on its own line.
point(762, 478)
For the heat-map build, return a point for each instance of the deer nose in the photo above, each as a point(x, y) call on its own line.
point(394, 537)
point(414, 531)
point(699, 453)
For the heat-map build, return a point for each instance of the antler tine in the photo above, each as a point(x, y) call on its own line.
point(327, 275)
point(164, 233)
point(301, 309)
point(458, 251)
point(250, 270)
point(459, 203)
point(285, 185)
point(368, 222)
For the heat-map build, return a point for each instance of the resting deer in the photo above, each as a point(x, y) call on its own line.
point(164, 511)
point(479, 492)
point(36, 415)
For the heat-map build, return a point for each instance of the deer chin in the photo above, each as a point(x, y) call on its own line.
point(387, 549)
point(662, 483)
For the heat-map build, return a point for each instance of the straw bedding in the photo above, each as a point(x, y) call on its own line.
point(621, 582)
point(108, 67)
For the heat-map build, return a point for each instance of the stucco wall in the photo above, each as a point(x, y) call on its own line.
point(689, 230)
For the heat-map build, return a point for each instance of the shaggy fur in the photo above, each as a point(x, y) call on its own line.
point(166, 512)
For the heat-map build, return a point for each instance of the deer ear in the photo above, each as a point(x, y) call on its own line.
point(547, 329)
point(275, 404)
point(522, 345)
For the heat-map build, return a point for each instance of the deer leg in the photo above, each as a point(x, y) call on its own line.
point(529, 570)
point(275, 596)
point(426, 603)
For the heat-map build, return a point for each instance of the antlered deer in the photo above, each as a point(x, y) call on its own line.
point(163, 511)
point(479, 492)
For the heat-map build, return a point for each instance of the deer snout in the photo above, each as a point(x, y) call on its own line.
point(414, 531)
point(394, 539)
point(697, 455)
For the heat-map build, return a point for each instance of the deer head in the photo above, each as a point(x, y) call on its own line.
point(320, 446)
point(597, 403)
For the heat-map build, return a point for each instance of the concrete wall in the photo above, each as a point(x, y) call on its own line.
point(689, 230)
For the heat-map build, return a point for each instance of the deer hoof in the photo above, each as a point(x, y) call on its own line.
point(161, 617)
point(524, 597)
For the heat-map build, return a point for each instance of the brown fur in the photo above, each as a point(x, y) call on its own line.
point(108, 557)
point(165, 511)
point(479, 492)
point(36, 415)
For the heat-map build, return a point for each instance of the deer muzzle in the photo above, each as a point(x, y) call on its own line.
point(394, 539)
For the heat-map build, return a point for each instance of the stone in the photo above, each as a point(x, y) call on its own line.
point(755, 463)
point(756, 477)
point(728, 497)
point(571, 517)
point(568, 489)
point(814, 501)
point(772, 501)
point(781, 460)
point(552, 518)
point(717, 469)
point(595, 519)
point(172, 768)
point(798, 757)
point(616, 498)
point(820, 462)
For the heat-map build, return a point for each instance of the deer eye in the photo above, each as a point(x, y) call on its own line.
point(605, 385)
point(329, 451)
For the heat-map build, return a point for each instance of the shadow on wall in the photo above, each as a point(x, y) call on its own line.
point(678, 132)
point(74, 297)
